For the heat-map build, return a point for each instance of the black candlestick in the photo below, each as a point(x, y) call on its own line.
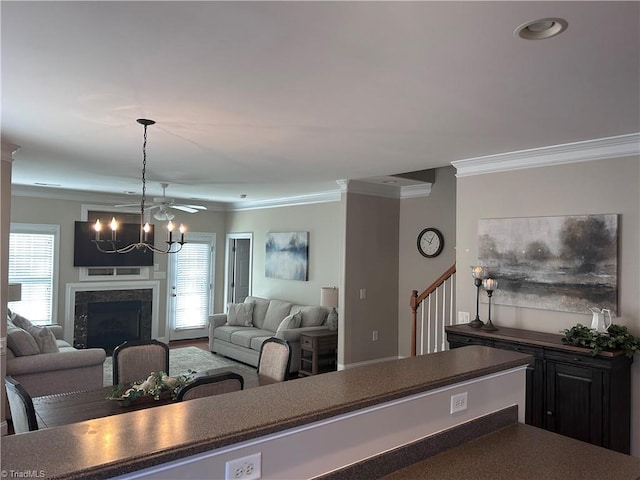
point(477, 323)
point(492, 284)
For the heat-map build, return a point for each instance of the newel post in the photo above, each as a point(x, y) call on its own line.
point(414, 308)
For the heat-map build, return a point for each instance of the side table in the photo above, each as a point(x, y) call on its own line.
point(318, 352)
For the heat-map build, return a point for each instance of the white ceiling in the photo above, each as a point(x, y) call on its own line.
point(280, 99)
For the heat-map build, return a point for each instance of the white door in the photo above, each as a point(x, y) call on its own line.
point(191, 286)
point(238, 275)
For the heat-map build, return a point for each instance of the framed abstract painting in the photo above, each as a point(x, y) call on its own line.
point(563, 263)
point(287, 256)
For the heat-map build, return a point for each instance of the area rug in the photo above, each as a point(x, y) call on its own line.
point(184, 359)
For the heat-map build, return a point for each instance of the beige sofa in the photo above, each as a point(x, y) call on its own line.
point(65, 370)
point(241, 340)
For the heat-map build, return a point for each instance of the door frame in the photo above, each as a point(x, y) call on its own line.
point(204, 331)
point(227, 259)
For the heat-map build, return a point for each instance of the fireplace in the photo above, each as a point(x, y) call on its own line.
point(105, 317)
point(111, 323)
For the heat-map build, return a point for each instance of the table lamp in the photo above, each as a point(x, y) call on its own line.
point(329, 299)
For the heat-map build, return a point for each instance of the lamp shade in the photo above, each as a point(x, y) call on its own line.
point(14, 292)
point(329, 297)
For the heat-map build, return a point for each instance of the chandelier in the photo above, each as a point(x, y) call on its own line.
point(112, 245)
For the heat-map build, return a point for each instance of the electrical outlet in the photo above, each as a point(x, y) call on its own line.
point(374, 337)
point(244, 468)
point(363, 293)
point(463, 317)
point(458, 402)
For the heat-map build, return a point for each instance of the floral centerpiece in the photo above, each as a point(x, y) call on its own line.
point(154, 387)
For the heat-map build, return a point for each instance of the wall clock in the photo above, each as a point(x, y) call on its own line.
point(430, 242)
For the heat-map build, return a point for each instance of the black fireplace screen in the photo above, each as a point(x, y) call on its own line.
point(111, 323)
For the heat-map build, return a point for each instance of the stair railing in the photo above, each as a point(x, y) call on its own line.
point(438, 306)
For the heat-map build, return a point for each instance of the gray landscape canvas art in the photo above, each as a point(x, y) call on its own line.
point(564, 263)
point(287, 255)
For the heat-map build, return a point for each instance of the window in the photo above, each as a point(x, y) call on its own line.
point(33, 262)
point(191, 287)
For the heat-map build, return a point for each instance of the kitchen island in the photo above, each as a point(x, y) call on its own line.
point(364, 411)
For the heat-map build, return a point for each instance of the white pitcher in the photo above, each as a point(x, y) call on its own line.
point(599, 321)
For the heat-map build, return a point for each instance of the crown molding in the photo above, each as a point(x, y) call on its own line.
point(368, 188)
point(414, 191)
point(320, 197)
point(8, 149)
point(384, 190)
point(589, 150)
point(90, 197)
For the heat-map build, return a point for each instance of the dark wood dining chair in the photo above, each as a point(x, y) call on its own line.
point(133, 361)
point(274, 360)
point(208, 385)
point(23, 415)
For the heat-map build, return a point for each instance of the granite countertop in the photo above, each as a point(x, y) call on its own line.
point(125, 443)
point(523, 452)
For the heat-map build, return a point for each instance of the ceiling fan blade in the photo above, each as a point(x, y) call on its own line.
point(197, 207)
point(185, 208)
point(127, 205)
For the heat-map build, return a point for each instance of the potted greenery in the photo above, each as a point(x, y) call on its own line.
point(617, 337)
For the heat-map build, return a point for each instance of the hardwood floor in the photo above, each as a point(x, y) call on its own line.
point(201, 343)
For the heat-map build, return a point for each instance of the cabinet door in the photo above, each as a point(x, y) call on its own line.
point(534, 407)
point(574, 401)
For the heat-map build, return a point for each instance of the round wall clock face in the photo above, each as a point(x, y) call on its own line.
point(430, 242)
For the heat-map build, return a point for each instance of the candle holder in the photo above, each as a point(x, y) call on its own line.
point(478, 274)
point(489, 285)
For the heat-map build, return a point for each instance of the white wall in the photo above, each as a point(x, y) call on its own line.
point(598, 187)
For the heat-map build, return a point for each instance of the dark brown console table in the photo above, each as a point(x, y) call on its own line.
point(318, 352)
point(569, 391)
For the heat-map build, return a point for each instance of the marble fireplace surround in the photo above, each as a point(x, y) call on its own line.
point(73, 289)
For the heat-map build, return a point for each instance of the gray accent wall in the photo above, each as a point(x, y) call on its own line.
point(597, 187)
point(415, 271)
point(323, 223)
point(371, 264)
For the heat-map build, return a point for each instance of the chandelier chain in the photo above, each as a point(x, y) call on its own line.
point(144, 171)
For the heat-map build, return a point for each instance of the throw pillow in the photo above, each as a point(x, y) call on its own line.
point(276, 312)
point(19, 321)
point(313, 316)
point(45, 339)
point(290, 321)
point(240, 314)
point(20, 341)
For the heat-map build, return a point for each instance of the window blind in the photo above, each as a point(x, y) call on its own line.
point(192, 286)
point(31, 263)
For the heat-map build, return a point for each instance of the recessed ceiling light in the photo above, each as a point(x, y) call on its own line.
point(539, 29)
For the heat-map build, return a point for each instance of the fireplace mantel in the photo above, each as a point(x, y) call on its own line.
point(73, 288)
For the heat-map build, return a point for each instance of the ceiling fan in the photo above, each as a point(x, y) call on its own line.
point(163, 205)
